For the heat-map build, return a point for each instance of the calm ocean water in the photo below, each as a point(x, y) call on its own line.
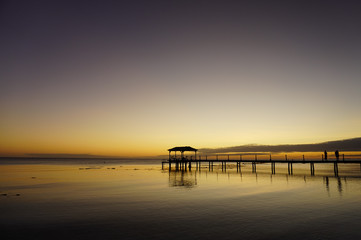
point(77, 199)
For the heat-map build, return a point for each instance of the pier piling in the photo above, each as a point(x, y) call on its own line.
point(290, 168)
point(273, 168)
point(254, 167)
point(312, 168)
point(335, 168)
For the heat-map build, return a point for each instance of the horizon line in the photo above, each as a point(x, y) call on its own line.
point(346, 145)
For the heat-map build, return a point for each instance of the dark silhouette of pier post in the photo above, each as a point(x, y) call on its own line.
point(335, 168)
point(290, 168)
point(254, 168)
point(273, 167)
point(312, 168)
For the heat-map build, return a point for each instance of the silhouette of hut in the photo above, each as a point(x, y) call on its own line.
point(181, 150)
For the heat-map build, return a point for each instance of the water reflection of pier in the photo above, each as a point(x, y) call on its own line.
point(326, 181)
point(189, 178)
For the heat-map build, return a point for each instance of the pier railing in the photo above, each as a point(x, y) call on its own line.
point(263, 157)
point(222, 160)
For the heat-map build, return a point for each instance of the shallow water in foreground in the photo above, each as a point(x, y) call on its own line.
point(126, 200)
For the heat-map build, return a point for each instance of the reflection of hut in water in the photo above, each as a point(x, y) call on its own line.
point(182, 179)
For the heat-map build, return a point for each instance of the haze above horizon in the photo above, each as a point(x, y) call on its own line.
point(136, 78)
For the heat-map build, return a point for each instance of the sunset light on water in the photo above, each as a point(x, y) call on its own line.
point(136, 201)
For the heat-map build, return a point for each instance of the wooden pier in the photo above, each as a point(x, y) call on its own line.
point(184, 163)
point(198, 164)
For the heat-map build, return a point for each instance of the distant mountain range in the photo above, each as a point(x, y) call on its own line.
point(353, 144)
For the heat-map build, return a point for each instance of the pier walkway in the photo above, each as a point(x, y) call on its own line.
point(184, 164)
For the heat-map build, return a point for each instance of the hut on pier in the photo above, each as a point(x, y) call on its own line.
point(181, 150)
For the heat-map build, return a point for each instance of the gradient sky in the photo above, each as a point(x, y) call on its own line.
point(134, 78)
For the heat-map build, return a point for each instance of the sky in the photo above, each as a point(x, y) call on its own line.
point(134, 78)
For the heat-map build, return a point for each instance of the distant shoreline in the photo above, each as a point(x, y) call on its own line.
point(83, 158)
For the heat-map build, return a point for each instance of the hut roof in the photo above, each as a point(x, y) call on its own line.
point(183, 149)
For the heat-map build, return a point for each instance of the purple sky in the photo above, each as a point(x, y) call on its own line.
point(138, 77)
